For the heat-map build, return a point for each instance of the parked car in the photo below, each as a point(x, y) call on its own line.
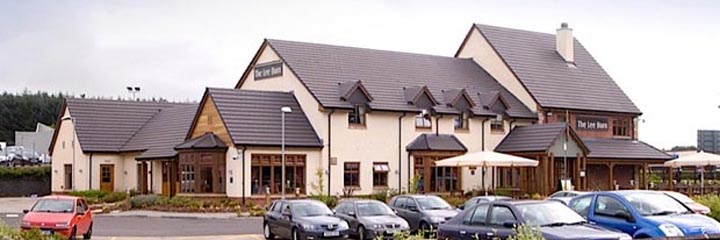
point(696, 207)
point(422, 212)
point(64, 215)
point(303, 219)
point(644, 214)
point(369, 219)
point(497, 220)
point(482, 199)
point(565, 196)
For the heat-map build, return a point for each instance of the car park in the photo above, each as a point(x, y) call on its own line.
point(482, 199)
point(497, 220)
point(565, 196)
point(370, 219)
point(696, 207)
point(644, 214)
point(63, 215)
point(422, 212)
point(303, 219)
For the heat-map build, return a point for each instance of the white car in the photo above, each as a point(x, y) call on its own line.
point(565, 196)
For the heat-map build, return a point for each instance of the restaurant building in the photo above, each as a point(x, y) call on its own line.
point(366, 120)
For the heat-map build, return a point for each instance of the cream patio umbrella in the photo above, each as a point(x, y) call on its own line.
point(486, 159)
point(700, 159)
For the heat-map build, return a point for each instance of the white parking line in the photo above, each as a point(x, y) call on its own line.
point(12, 215)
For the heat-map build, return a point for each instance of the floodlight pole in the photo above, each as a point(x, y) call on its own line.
point(283, 110)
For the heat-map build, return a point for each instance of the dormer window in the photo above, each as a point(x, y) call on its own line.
point(462, 121)
point(357, 115)
point(497, 125)
point(422, 120)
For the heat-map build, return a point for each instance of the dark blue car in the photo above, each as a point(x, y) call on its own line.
point(644, 214)
point(498, 219)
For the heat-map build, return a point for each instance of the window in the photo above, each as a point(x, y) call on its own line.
point(479, 216)
point(380, 174)
point(400, 202)
point(497, 125)
point(187, 178)
point(276, 207)
point(423, 121)
point(461, 121)
point(80, 207)
point(582, 205)
point(501, 215)
point(357, 116)
point(410, 204)
point(621, 127)
point(266, 173)
point(610, 207)
point(352, 174)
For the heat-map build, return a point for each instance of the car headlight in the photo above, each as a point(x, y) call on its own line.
point(376, 226)
point(343, 225)
point(670, 230)
point(62, 225)
point(306, 226)
point(437, 219)
point(25, 223)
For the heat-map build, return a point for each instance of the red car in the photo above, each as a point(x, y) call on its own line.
point(64, 215)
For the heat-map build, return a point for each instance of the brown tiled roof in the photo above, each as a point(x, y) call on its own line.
point(205, 141)
point(254, 117)
point(623, 149)
point(165, 130)
point(107, 125)
point(533, 138)
point(432, 142)
point(546, 75)
point(385, 73)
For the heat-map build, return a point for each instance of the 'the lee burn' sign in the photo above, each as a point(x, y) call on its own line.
point(268, 70)
point(592, 123)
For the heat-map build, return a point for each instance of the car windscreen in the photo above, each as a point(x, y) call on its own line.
point(373, 209)
point(308, 209)
point(680, 197)
point(548, 213)
point(54, 205)
point(654, 204)
point(432, 203)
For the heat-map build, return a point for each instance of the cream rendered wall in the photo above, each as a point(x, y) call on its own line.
point(102, 158)
point(130, 174)
point(155, 170)
point(62, 154)
point(233, 169)
point(313, 160)
point(289, 82)
point(480, 50)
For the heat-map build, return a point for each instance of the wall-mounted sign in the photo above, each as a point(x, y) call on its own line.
point(594, 123)
point(268, 70)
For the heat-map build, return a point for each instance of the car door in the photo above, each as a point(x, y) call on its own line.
point(273, 216)
point(347, 212)
point(610, 212)
point(284, 222)
point(399, 206)
point(474, 226)
point(500, 215)
point(412, 211)
point(81, 220)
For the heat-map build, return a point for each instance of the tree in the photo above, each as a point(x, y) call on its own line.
point(22, 112)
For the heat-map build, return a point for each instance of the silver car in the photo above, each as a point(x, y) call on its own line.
point(370, 219)
point(565, 196)
point(423, 212)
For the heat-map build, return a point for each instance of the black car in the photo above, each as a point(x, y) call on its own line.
point(303, 219)
point(370, 219)
point(498, 220)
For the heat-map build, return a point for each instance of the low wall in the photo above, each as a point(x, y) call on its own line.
point(22, 187)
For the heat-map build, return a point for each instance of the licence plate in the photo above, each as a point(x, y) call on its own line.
point(331, 234)
point(46, 232)
point(391, 231)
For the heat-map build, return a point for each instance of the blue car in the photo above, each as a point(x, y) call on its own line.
point(644, 214)
point(497, 220)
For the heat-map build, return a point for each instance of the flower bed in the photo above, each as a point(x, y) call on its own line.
point(183, 204)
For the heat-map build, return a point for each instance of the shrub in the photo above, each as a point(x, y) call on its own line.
point(114, 197)
point(34, 172)
point(381, 195)
point(96, 194)
point(330, 201)
point(181, 201)
point(142, 201)
point(454, 200)
point(11, 233)
point(525, 232)
point(712, 201)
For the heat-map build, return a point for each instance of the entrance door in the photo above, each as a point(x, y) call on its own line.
point(68, 177)
point(107, 177)
point(142, 177)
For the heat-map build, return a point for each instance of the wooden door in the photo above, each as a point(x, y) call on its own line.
point(107, 177)
point(142, 177)
point(166, 179)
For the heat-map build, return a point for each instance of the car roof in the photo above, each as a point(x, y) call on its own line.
point(358, 200)
point(290, 201)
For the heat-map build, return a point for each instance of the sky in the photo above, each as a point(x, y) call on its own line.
point(663, 54)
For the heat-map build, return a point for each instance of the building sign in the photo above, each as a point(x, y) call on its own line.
point(594, 124)
point(268, 70)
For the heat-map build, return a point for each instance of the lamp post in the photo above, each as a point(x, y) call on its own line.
point(132, 90)
point(72, 145)
point(283, 111)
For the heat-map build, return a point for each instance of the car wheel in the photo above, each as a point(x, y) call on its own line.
point(73, 233)
point(267, 232)
point(361, 233)
point(424, 228)
point(294, 234)
point(88, 234)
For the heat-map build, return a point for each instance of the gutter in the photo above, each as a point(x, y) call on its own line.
point(437, 124)
point(400, 151)
point(483, 133)
point(242, 155)
point(329, 121)
point(90, 172)
point(511, 125)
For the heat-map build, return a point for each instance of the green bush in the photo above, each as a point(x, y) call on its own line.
point(181, 201)
point(89, 194)
point(11, 233)
point(712, 201)
point(454, 200)
point(381, 195)
point(114, 197)
point(330, 201)
point(142, 201)
point(34, 172)
point(525, 232)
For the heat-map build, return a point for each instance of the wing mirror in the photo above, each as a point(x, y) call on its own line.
point(25, 211)
point(625, 215)
point(352, 214)
point(509, 224)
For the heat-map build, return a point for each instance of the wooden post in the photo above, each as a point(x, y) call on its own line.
point(671, 178)
point(611, 167)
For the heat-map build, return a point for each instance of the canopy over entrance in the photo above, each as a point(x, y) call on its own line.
point(486, 159)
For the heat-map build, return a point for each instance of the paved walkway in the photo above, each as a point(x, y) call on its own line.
point(157, 214)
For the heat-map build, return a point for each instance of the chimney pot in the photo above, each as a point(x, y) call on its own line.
point(563, 25)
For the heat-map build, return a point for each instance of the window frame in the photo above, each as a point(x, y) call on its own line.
point(493, 126)
point(347, 172)
point(605, 214)
point(359, 113)
point(492, 215)
point(621, 127)
point(422, 124)
point(463, 119)
point(585, 212)
point(472, 219)
point(378, 175)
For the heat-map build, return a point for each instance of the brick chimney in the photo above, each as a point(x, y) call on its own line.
point(565, 43)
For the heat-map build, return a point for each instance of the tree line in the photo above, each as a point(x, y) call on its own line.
point(22, 112)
